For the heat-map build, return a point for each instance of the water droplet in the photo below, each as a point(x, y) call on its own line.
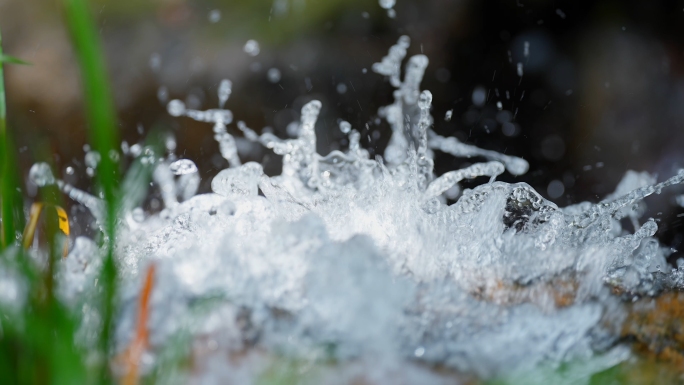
point(41, 174)
point(155, 62)
point(252, 48)
point(556, 189)
point(138, 214)
point(341, 88)
point(92, 159)
point(273, 75)
point(162, 94)
point(509, 129)
point(224, 90)
point(114, 155)
point(345, 127)
point(183, 167)
point(479, 96)
point(175, 107)
point(214, 16)
point(135, 150)
point(387, 4)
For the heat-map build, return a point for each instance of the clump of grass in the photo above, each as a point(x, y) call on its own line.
point(36, 340)
point(37, 343)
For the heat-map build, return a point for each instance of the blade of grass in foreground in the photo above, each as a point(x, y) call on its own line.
point(104, 138)
point(97, 95)
point(7, 220)
point(36, 340)
point(7, 225)
point(11, 206)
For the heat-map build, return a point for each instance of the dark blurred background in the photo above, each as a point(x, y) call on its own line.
point(601, 91)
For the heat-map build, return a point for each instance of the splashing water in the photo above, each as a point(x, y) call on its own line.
point(362, 261)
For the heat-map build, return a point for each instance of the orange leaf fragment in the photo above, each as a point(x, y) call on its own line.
point(132, 355)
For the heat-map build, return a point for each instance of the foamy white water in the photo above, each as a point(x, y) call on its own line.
point(361, 261)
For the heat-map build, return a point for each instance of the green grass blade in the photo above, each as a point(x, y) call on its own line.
point(98, 97)
point(3, 106)
point(104, 138)
point(136, 181)
point(7, 221)
point(12, 60)
point(10, 195)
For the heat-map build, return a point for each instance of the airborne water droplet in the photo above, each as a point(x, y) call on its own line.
point(479, 96)
point(387, 4)
point(214, 16)
point(273, 75)
point(92, 159)
point(345, 127)
point(556, 189)
point(341, 88)
point(252, 48)
point(176, 107)
point(183, 167)
point(224, 90)
point(155, 62)
point(41, 174)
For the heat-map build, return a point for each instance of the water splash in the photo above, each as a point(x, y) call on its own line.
point(451, 145)
point(361, 260)
point(41, 175)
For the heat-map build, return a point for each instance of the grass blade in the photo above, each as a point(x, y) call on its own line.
point(10, 194)
point(104, 138)
point(12, 60)
point(7, 220)
point(97, 95)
